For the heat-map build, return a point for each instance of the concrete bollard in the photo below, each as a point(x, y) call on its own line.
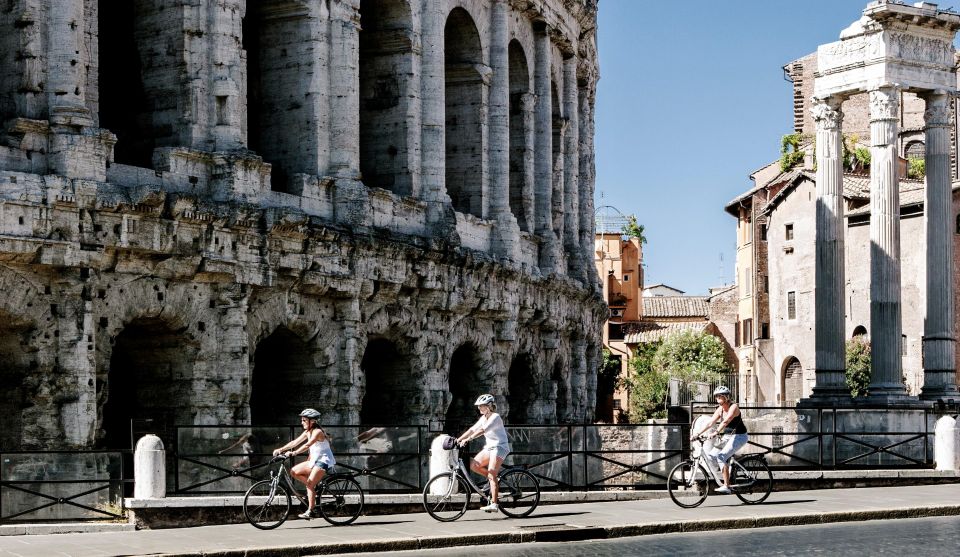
point(946, 445)
point(149, 469)
point(441, 461)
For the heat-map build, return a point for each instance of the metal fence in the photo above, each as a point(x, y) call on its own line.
point(683, 393)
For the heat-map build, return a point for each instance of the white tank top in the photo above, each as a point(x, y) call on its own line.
point(321, 451)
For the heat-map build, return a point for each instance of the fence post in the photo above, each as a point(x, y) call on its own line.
point(149, 469)
point(946, 444)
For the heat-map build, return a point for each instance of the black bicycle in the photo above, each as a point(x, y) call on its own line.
point(447, 495)
point(267, 503)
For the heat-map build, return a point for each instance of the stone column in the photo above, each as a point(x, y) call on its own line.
point(585, 184)
point(571, 169)
point(65, 79)
point(830, 358)
point(507, 231)
point(939, 342)
point(885, 313)
point(543, 154)
point(344, 89)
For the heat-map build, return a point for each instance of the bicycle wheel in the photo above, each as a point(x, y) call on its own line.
point(266, 505)
point(446, 497)
point(519, 493)
point(688, 484)
point(340, 499)
point(751, 479)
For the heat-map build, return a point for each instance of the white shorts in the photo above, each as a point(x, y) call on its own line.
point(499, 451)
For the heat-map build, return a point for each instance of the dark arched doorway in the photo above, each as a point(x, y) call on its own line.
point(391, 391)
point(521, 137)
point(150, 383)
point(561, 385)
point(464, 94)
point(859, 331)
point(285, 380)
point(15, 362)
point(465, 386)
point(792, 381)
point(522, 391)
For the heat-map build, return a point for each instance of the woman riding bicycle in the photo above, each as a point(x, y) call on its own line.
point(321, 461)
point(496, 448)
point(731, 424)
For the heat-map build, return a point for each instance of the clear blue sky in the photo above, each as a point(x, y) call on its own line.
point(691, 100)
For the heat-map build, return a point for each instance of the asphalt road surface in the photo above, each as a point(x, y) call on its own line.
point(917, 537)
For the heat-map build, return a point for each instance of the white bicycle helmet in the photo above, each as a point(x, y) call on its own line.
point(722, 390)
point(310, 413)
point(484, 399)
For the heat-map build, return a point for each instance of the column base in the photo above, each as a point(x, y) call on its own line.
point(940, 385)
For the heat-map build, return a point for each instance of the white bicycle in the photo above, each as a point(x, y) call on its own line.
point(690, 482)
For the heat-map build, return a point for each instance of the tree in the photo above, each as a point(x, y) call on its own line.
point(858, 366)
point(647, 386)
point(634, 230)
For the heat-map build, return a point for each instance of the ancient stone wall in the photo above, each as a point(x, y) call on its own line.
point(223, 212)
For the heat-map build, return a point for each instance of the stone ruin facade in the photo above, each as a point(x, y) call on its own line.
point(222, 211)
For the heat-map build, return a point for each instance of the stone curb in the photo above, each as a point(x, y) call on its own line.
point(65, 528)
point(580, 534)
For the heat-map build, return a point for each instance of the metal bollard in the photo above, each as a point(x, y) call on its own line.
point(149, 469)
point(946, 445)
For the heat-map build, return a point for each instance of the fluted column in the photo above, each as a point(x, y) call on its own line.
point(571, 169)
point(830, 358)
point(65, 69)
point(507, 232)
point(885, 310)
point(586, 179)
point(344, 89)
point(939, 342)
point(543, 152)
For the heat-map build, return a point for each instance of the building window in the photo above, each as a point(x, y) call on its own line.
point(626, 278)
point(903, 345)
point(766, 284)
point(788, 231)
point(764, 331)
point(747, 331)
point(791, 305)
point(747, 282)
point(958, 223)
point(763, 232)
point(616, 331)
point(616, 404)
point(736, 335)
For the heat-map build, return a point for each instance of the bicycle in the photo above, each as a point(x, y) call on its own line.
point(447, 495)
point(689, 482)
point(266, 505)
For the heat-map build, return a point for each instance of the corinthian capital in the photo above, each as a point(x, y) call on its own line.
point(885, 103)
point(937, 113)
point(826, 113)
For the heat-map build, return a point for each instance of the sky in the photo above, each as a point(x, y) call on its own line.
point(692, 100)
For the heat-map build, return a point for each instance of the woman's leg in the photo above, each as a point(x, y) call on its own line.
point(493, 469)
point(301, 472)
point(316, 474)
point(480, 462)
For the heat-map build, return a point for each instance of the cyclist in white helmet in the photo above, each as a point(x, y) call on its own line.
point(321, 461)
point(732, 426)
point(488, 461)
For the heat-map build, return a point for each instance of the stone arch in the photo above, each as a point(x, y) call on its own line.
point(791, 382)
point(465, 92)
point(521, 137)
point(149, 381)
point(522, 390)
point(560, 382)
point(129, 101)
point(284, 379)
point(466, 382)
point(859, 331)
point(391, 389)
point(386, 71)
point(15, 364)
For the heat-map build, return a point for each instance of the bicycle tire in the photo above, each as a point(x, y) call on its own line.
point(272, 511)
point(685, 487)
point(448, 501)
point(340, 499)
point(519, 493)
point(755, 487)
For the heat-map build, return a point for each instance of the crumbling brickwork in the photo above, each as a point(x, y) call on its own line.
point(220, 212)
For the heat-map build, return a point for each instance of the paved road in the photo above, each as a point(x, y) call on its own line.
point(913, 536)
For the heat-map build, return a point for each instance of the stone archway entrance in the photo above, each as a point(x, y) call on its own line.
point(522, 392)
point(284, 381)
point(792, 386)
point(149, 382)
point(392, 392)
point(465, 386)
point(14, 365)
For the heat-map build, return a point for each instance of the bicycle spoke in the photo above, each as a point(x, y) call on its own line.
point(266, 505)
point(446, 497)
point(340, 500)
point(688, 484)
point(752, 480)
point(519, 493)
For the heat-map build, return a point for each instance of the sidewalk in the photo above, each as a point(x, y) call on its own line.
point(549, 523)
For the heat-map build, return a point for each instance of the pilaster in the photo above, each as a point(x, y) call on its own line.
point(344, 89)
point(550, 256)
point(571, 169)
point(506, 231)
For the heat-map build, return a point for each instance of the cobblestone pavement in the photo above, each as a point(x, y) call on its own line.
point(572, 522)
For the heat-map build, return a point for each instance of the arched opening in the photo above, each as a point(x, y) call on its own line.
point(15, 363)
point(915, 150)
point(465, 92)
point(859, 331)
point(465, 386)
point(521, 137)
point(128, 102)
point(391, 392)
point(557, 159)
point(792, 386)
point(522, 391)
point(285, 380)
point(150, 383)
point(386, 67)
point(561, 385)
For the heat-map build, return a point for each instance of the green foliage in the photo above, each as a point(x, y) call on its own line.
point(634, 230)
point(688, 356)
point(855, 157)
point(609, 368)
point(858, 366)
point(790, 151)
point(916, 168)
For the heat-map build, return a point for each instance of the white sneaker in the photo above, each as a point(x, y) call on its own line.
point(307, 515)
point(723, 490)
point(491, 508)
